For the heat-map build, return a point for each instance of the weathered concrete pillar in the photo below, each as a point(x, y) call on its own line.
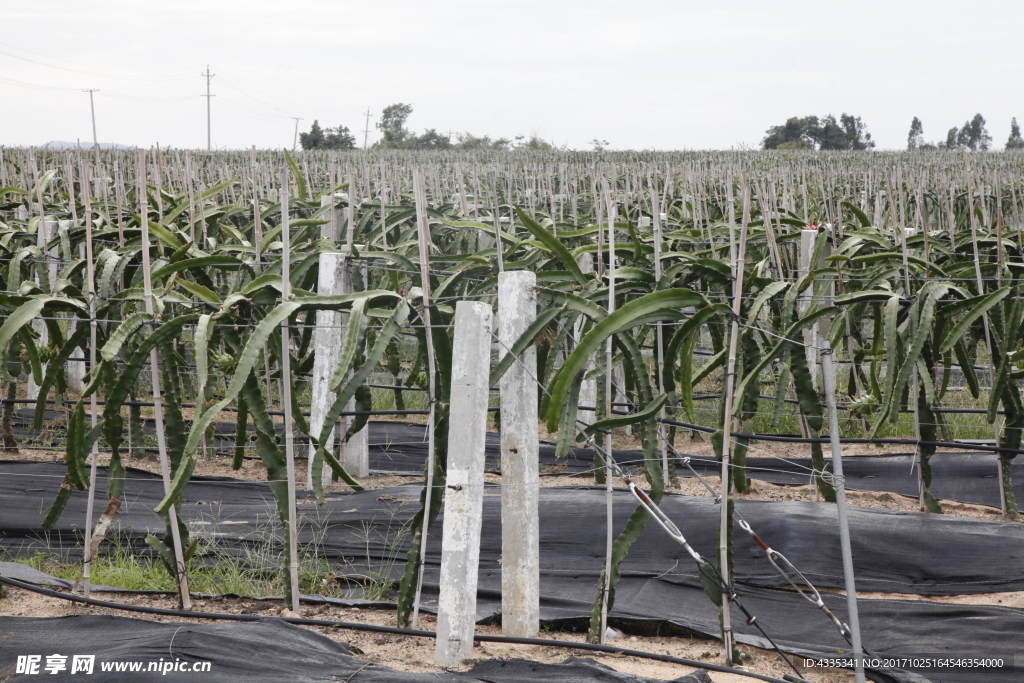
point(330, 326)
point(330, 230)
point(520, 524)
point(814, 333)
point(47, 230)
point(463, 503)
point(588, 388)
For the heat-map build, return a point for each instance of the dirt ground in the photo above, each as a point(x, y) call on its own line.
point(254, 470)
point(408, 653)
point(416, 654)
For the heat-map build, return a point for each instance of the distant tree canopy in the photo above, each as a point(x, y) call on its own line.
point(1015, 141)
point(827, 133)
point(972, 137)
point(395, 135)
point(327, 138)
point(469, 141)
point(915, 139)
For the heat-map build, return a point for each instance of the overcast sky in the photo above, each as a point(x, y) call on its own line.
point(646, 74)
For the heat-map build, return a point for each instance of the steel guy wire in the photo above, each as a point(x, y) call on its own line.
point(613, 469)
point(774, 557)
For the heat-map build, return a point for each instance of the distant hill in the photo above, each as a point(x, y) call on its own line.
point(63, 144)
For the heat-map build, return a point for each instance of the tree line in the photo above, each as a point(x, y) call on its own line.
point(972, 136)
point(847, 132)
point(395, 135)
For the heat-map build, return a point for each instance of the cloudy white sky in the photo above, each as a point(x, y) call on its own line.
point(646, 74)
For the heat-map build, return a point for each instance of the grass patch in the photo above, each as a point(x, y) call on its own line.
point(252, 568)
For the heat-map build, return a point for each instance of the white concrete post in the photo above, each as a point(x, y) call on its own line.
point(46, 231)
point(463, 509)
point(330, 326)
point(812, 334)
point(520, 522)
point(588, 387)
point(330, 230)
point(75, 370)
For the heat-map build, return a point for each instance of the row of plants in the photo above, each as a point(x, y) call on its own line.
point(913, 276)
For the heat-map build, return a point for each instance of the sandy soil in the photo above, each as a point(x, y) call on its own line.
point(408, 653)
point(416, 654)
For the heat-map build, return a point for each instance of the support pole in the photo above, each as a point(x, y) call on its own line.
point(464, 495)
point(158, 406)
point(588, 387)
point(829, 379)
point(520, 522)
point(737, 255)
point(609, 353)
point(286, 404)
point(335, 278)
point(659, 348)
point(423, 241)
point(94, 456)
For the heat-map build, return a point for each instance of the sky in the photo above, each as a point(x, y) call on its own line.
point(646, 74)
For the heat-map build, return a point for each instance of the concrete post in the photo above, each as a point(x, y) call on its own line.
point(47, 230)
point(334, 279)
point(74, 370)
point(330, 230)
point(463, 511)
point(588, 387)
point(818, 331)
point(520, 523)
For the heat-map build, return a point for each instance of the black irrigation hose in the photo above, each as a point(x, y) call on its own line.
point(800, 439)
point(355, 626)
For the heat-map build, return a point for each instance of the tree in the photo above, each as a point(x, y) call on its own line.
point(977, 135)
point(392, 125)
point(534, 143)
point(951, 136)
point(329, 138)
point(973, 136)
point(915, 139)
point(810, 132)
point(430, 139)
point(471, 142)
point(1015, 141)
point(598, 144)
point(794, 134)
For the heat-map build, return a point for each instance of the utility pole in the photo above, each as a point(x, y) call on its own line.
point(366, 131)
point(295, 142)
point(92, 109)
point(208, 76)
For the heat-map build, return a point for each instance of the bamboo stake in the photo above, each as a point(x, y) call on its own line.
point(737, 255)
point(158, 407)
point(656, 206)
point(286, 403)
point(93, 408)
point(423, 242)
point(609, 353)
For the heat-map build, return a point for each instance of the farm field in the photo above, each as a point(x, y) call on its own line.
point(249, 374)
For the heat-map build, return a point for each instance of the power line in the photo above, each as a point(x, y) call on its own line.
point(91, 73)
point(93, 66)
